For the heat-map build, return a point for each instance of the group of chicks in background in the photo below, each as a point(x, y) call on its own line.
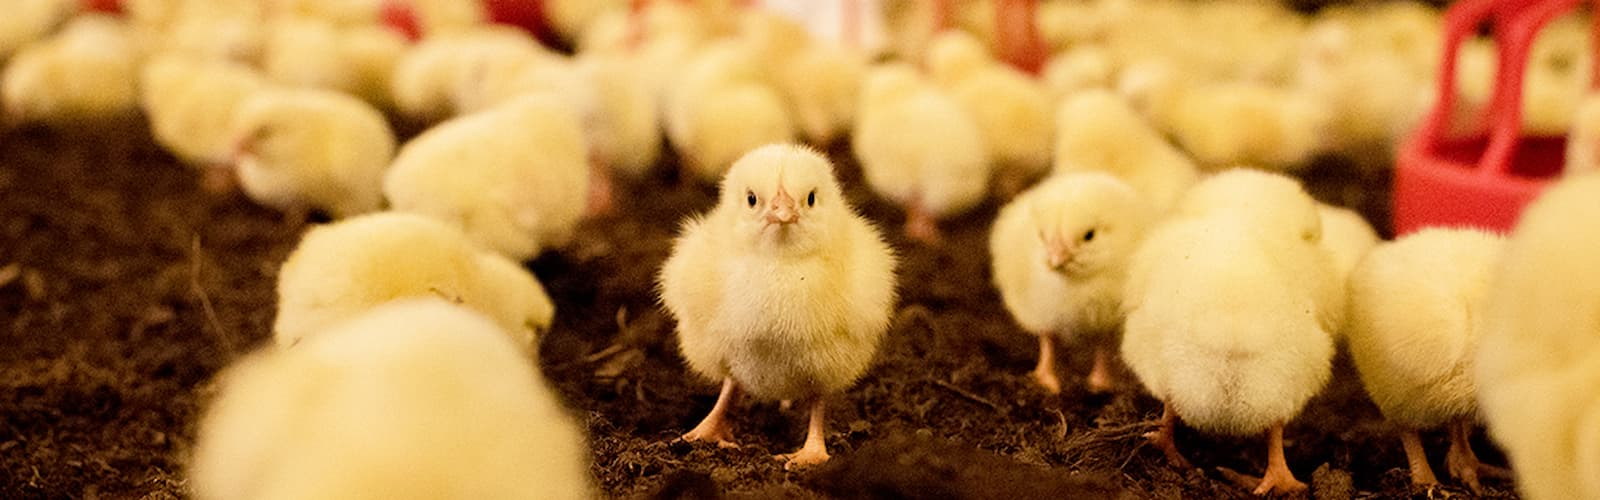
point(1225, 290)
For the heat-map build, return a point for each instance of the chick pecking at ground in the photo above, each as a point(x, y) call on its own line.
point(781, 291)
point(189, 103)
point(299, 150)
point(1060, 255)
point(1538, 361)
point(1011, 108)
point(514, 177)
point(919, 148)
point(86, 74)
point(414, 399)
point(1099, 131)
point(342, 269)
point(1416, 306)
point(1231, 304)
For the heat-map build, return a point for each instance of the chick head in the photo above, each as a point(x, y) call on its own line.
point(783, 197)
point(1274, 202)
point(1086, 221)
point(955, 54)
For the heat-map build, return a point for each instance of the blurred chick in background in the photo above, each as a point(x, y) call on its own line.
point(190, 104)
point(781, 291)
point(302, 150)
point(85, 74)
point(417, 399)
point(310, 52)
point(721, 106)
point(919, 148)
point(1010, 108)
point(1060, 255)
point(1098, 131)
point(27, 21)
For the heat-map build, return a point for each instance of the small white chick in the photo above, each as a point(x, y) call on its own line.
point(1225, 123)
point(919, 148)
point(190, 103)
point(87, 72)
point(1230, 308)
point(514, 177)
point(306, 149)
point(1538, 361)
point(418, 399)
point(1011, 109)
point(1060, 255)
point(782, 290)
point(342, 269)
point(1415, 305)
point(310, 52)
point(29, 20)
point(1099, 131)
point(722, 106)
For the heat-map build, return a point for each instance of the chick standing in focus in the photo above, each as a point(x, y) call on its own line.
point(1060, 255)
point(781, 291)
point(1231, 304)
point(310, 149)
point(1415, 306)
point(918, 148)
point(418, 399)
point(1539, 359)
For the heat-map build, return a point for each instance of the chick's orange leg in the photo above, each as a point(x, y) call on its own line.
point(815, 451)
point(1421, 472)
point(1278, 479)
point(715, 426)
point(1460, 460)
point(921, 225)
point(1045, 372)
point(218, 180)
point(1165, 437)
point(1100, 380)
point(600, 189)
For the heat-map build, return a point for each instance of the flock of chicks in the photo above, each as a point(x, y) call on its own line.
point(407, 323)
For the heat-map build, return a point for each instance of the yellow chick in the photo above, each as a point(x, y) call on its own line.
point(85, 73)
point(1099, 131)
point(1379, 91)
point(1230, 308)
point(782, 290)
point(822, 83)
point(1225, 123)
point(1415, 305)
point(1537, 362)
point(1346, 236)
point(624, 131)
point(309, 149)
point(29, 20)
point(1011, 109)
point(343, 269)
point(570, 19)
point(311, 52)
point(1076, 69)
point(514, 177)
point(190, 104)
point(425, 83)
point(340, 12)
point(1060, 255)
point(206, 29)
point(722, 106)
point(418, 399)
point(919, 148)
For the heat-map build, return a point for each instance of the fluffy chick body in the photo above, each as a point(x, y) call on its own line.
point(312, 149)
point(917, 145)
point(1347, 238)
point(190, 104)
point(414, 399)
point(341, 270)
point(1224, 123)
point(514, 177)
point(1099, 131)
point(1537, 362)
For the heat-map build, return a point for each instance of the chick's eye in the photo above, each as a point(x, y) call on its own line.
point(1088, 235)
point(750, 197)
point(811, 199)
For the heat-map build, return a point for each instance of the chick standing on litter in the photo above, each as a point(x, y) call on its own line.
point(918, 148)
point(1099, 131)
point(781, 291)
point(87, 72)
point(1060, 255)
point(417, 399)
point(340, 270)
point(1011, 109)
point(1415, 306)
point(298, 150)
point(1538, 362)
point(1231, 305)
point(514, 177)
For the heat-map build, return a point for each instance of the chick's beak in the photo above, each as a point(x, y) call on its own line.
point(1057, 254)
point(781, 210)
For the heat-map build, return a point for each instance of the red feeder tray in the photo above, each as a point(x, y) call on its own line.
point(1484, 180)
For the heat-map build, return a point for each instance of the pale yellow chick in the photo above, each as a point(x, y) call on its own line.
point(27, 21)
point(722, 106)
point(299, 150)
point(514, 178)
point(87, 72)
point(311, 52)
point(1060, 258)
point(1225, 123)
point(1415, 314)
point(1076, 69)
point(1098, 131)
point(418, 399)
point(782, 290)
point(190, 103)
point(426, 79)
point(919, 148)
point(1231, 305)
point(343, 269)
point(1538, 361)
point(1346, 236)
point(1011, 108)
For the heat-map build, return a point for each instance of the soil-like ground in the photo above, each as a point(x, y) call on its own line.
point(124, 288)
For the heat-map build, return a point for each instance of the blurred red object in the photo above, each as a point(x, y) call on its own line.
point(1484, 180)
point(402, 16)
point(106, 6)
point(1017, 35)
point(526, 14)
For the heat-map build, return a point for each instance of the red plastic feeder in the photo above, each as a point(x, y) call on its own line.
point(1480, 181)
point(526, 14)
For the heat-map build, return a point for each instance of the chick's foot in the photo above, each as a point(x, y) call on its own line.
point(1045, 372)
point(600, 190)
point(1278, 479)
point(1100, 379)
point(1460, 460)
point(922, 227)
point(1164, 437)
point(1421, 473)
point(815, 451)
point(715, 426)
